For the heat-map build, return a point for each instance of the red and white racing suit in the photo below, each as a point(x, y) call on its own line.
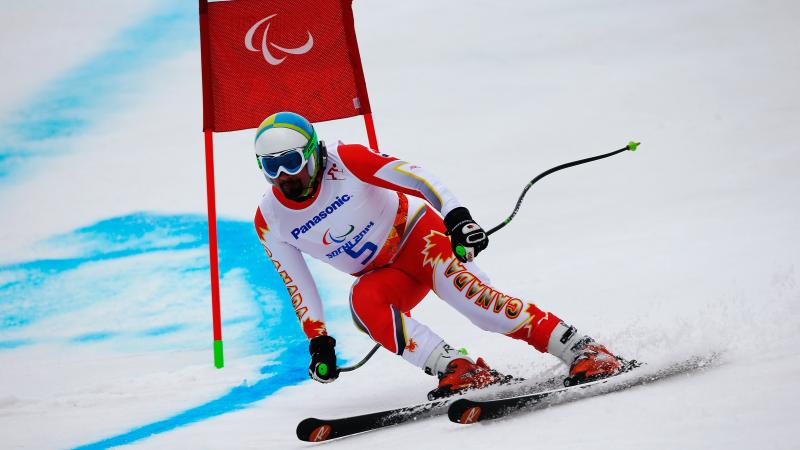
point(368, 218)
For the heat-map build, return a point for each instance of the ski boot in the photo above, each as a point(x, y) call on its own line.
point(595, 362)
point(463, 375)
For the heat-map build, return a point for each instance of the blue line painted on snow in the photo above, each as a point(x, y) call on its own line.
point(46, 295)
point(72, 103)
point(286, 373)
point(40, 290)
point(5, 345)
point(161, 331)
point(94, 337)
point(110, 240)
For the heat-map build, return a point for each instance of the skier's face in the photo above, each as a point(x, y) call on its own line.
point(293, 186)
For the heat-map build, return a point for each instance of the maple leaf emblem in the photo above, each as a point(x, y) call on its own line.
point(314, 328)
point(437, 248)
point(524, 330)
point(411, 346)
point(262, 227)
point(262, 233)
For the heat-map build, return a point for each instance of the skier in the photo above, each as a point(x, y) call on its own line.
point(380, 219)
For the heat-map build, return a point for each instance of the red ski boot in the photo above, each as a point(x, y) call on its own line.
point(595, 362)
point(463, 375)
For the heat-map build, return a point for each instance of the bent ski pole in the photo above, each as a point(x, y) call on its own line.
point(630, 147)
point(322, 368)
point(362, 362)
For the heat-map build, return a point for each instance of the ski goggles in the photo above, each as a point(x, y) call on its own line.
point(289, 161)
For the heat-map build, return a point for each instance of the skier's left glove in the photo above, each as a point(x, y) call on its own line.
point(466, 236)
point(323, 359)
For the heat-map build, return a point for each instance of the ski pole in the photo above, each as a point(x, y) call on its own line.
point(632, 146)
point(322, 368)
point(362, 362)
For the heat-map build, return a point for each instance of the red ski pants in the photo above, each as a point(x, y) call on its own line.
point(381, 299)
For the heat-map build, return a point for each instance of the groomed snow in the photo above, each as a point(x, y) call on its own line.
point(686, 247)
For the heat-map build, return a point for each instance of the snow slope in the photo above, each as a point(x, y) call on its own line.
point(687, 246)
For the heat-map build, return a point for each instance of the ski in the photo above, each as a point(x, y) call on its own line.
point(317, 430)
point(468, 411)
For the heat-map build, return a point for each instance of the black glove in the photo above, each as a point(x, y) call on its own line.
point(323, 359)
point(466, 236)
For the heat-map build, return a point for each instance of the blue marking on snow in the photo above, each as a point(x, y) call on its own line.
point(125, 277)
point(284, 373)
point(108, 265)
point(6, 345)
point(73, 102)
point(95, 336)
point(160, 331)
point(235, 320)
point(113, 241)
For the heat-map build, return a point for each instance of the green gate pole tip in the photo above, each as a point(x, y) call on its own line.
point(632, 145)
point(219, 361)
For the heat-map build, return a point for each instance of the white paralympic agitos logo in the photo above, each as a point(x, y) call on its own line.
point(248, 42)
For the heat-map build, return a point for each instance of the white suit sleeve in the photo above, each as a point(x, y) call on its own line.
point(294, 273)
point(391, 173)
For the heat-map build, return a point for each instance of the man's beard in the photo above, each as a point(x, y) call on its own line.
point(293, 189)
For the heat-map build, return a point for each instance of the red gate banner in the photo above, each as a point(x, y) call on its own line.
point(260, 57)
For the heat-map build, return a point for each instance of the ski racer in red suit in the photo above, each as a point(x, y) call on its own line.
point(394, 227)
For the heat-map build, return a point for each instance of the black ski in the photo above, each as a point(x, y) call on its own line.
point(316, 430)
point(467, 411)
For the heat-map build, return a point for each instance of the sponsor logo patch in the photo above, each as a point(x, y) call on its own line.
point(321, 216)
point(328, 238)
point(352, 242)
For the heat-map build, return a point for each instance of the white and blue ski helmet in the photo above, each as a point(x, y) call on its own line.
point(287, 142)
